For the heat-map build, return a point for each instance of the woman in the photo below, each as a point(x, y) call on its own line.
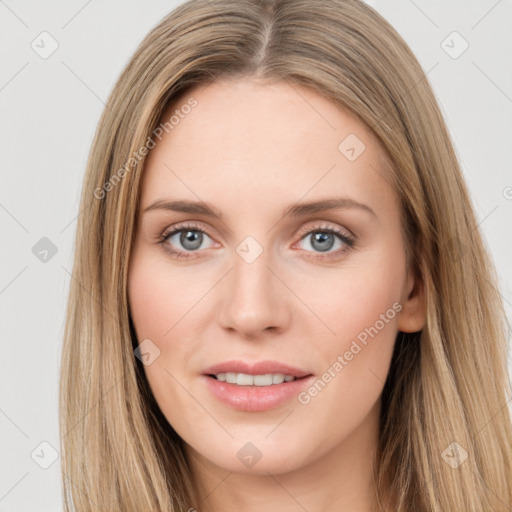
point(281, 299)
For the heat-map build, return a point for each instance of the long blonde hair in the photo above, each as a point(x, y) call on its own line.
point(447, 383)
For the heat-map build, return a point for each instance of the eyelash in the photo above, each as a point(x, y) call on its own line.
point(348, 240)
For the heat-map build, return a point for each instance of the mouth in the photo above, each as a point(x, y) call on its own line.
point(255, 387)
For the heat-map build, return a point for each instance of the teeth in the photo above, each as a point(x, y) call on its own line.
point(243, 379)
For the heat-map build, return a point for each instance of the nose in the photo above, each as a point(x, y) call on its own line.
point(255, 299)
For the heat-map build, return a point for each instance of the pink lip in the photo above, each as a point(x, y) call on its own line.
point(255, 398)
point(258, 368)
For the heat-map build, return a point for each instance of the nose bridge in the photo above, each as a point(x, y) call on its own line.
point(251, 274)
point(253, 300)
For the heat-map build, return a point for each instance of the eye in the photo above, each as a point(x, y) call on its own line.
point(189, 236)
point(324, 238)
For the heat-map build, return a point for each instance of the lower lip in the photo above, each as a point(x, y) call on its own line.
point(256, 398)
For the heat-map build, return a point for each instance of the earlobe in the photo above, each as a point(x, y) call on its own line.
point(413, 314)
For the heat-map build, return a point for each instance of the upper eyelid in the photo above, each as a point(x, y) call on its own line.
point(192, 225)
point(326, 226)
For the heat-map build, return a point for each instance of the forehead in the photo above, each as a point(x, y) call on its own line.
point(243, 141)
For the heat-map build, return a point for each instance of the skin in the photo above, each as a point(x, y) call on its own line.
point(251, 149)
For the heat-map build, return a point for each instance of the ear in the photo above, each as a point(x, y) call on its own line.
point(414, 312)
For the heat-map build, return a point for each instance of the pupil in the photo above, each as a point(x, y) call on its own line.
point(191, 240)
point(321, 238)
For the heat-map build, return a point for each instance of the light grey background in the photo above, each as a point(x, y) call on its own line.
point(49, 111)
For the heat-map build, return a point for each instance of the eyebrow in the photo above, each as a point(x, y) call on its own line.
point(295, 210)
point(338, 203)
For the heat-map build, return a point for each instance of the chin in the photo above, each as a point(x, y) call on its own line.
point(256, 457)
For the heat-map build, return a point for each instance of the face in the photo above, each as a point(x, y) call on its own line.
point(272, 286)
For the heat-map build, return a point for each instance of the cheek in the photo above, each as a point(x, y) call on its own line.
point(353, 297)
point(159, 297)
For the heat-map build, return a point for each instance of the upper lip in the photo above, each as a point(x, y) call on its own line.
point(255, 368)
